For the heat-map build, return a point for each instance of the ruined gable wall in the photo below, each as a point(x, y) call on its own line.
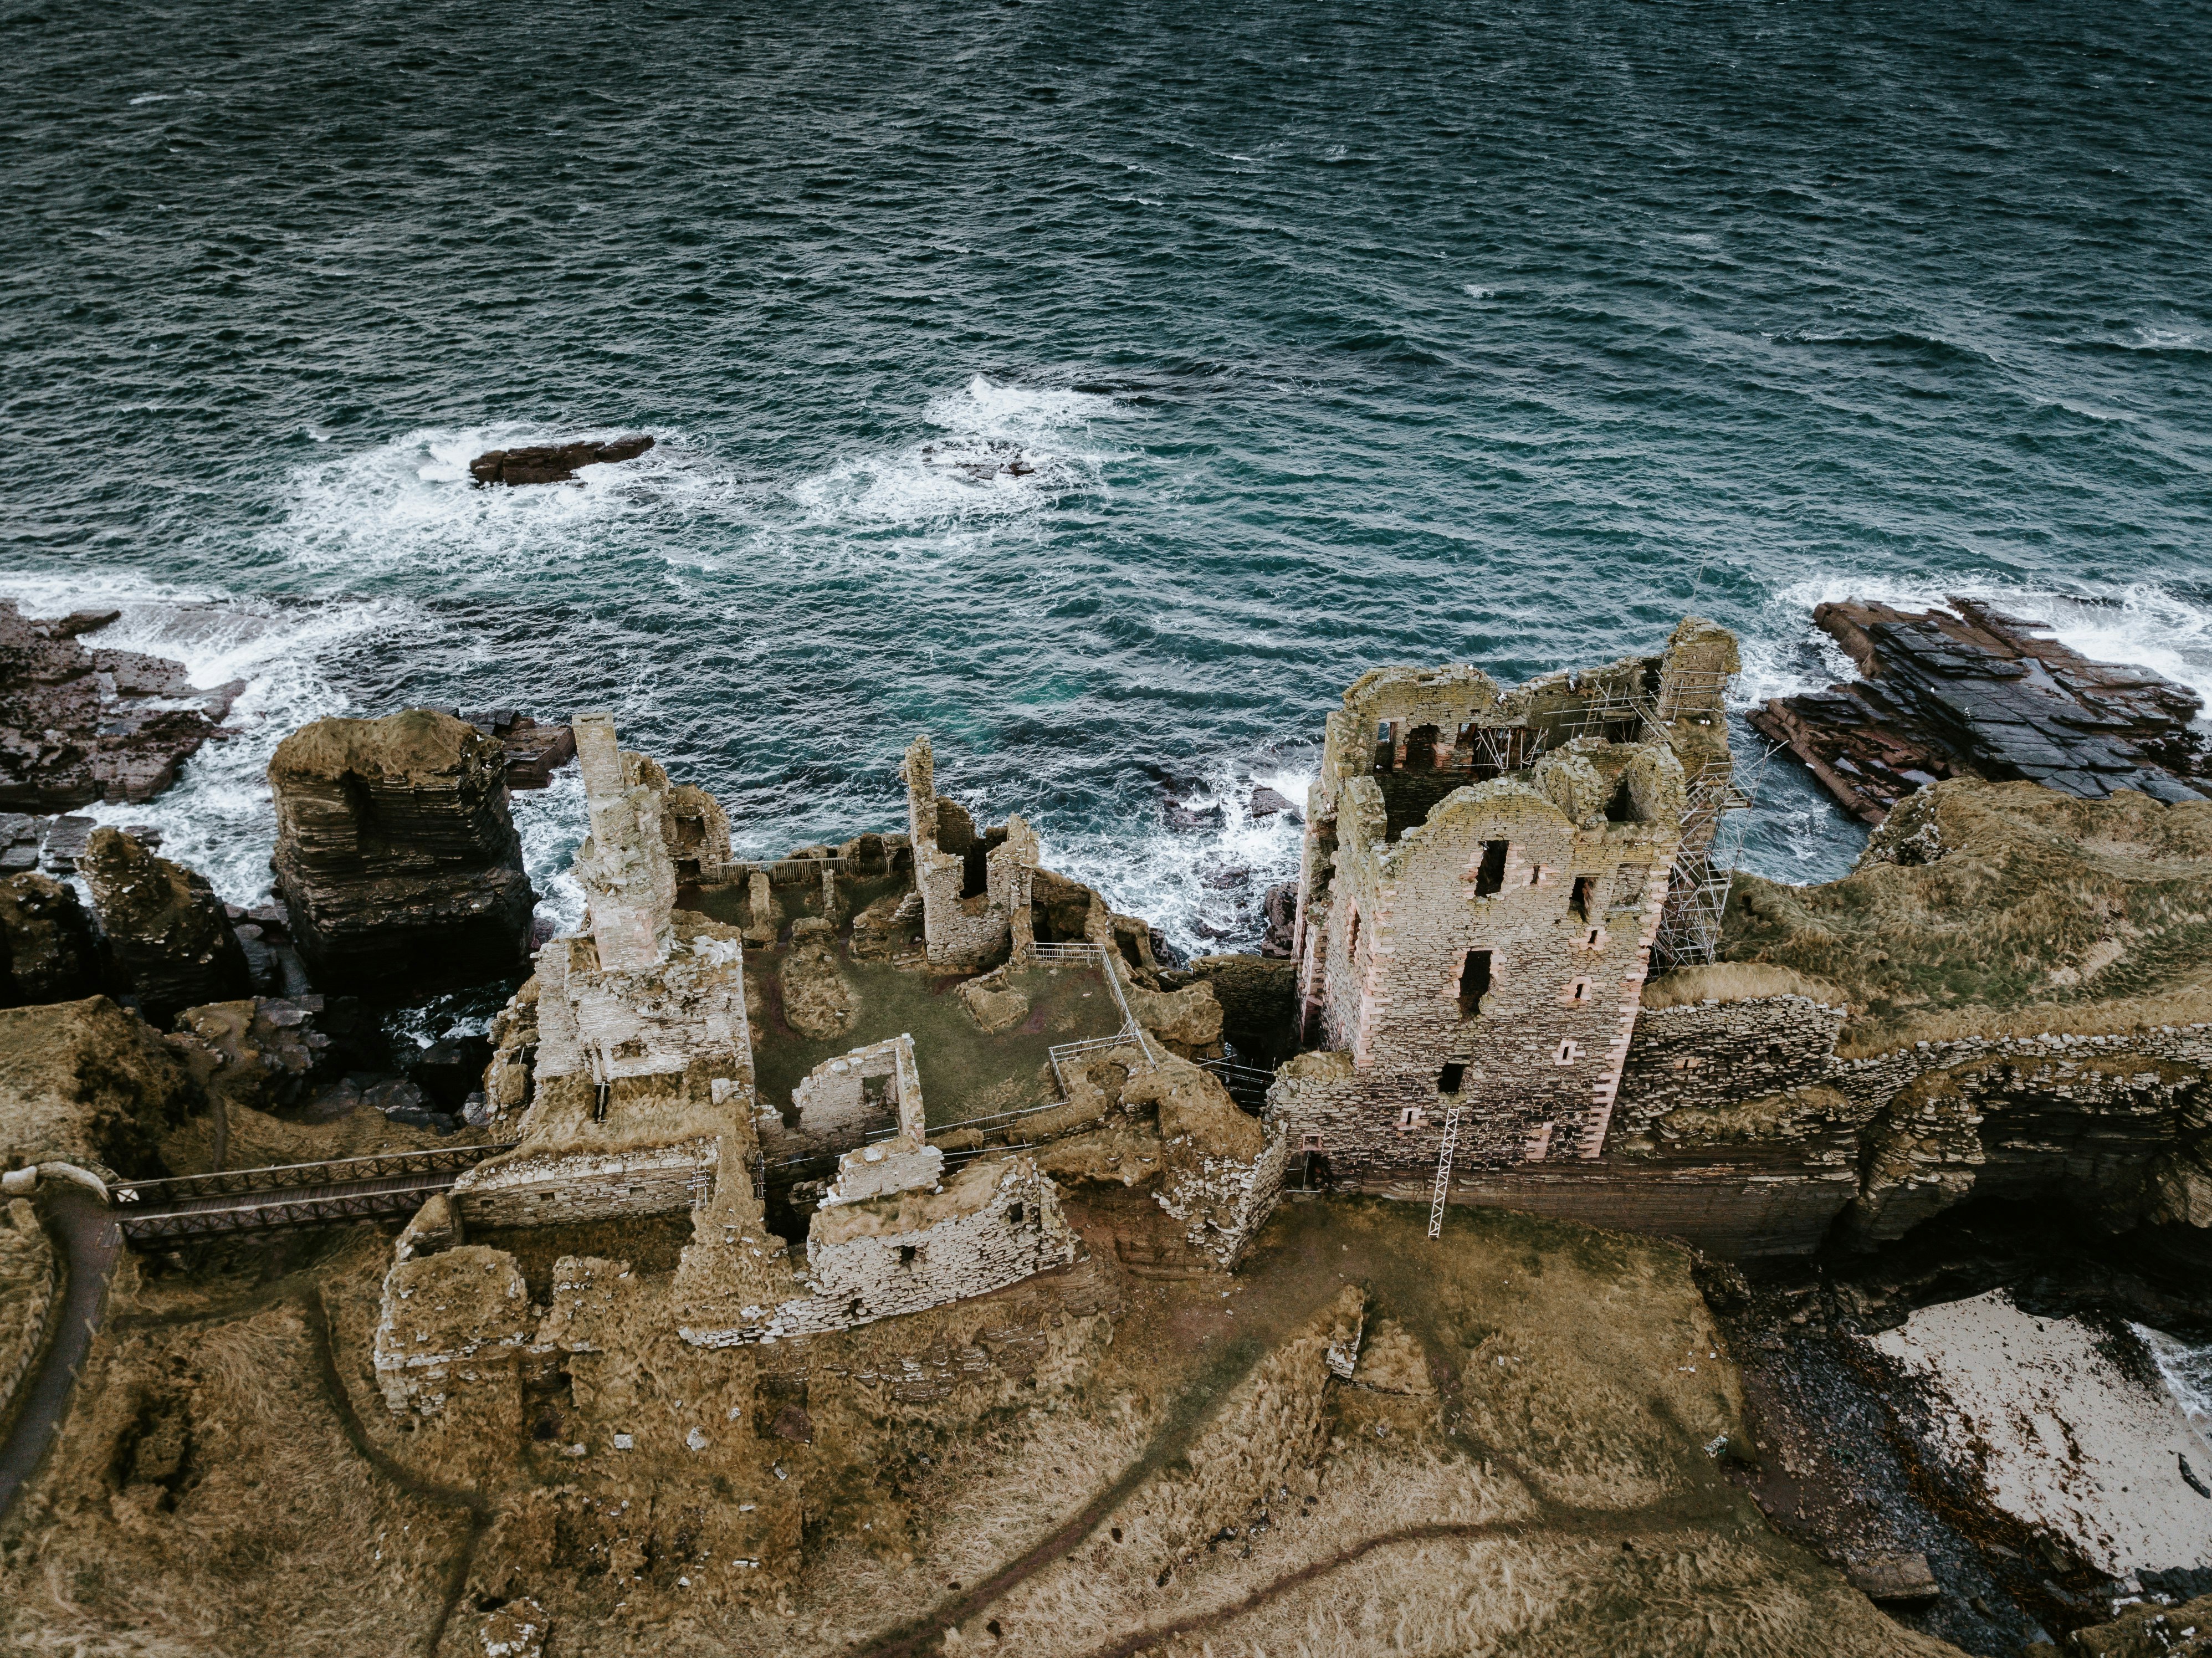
point(998, 1222)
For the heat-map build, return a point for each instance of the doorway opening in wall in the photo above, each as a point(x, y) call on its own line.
point(1451, 1076)
point(1490, 877)
point(975, 870)
point(1386, 746)
point(1014, 1215)
point(1421, 748)
point(1583, 896)
point(1474, 982)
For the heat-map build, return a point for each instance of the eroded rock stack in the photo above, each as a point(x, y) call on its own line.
point(168, 938)
point(80, 724)
point(396, 855)
point(1982, 694)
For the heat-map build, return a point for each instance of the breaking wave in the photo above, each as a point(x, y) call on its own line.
point(218, 816)
point(1202, 885)
point(2186, 1367)
point(409, 505)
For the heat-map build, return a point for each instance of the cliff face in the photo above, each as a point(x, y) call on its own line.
point(396, 856)
point(169, 941)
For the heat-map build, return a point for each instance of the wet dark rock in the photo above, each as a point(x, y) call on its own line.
point(535, 752)
point(1266, 803)
point(79, 724)
point(49, 953)
point(1281, 906)
point(396, 1098)
point(1980, 693)
point(552, 462)
point(64, 844)
point(1181, 817)
point(448, 1071)
point(395, 857)
point(166, 937)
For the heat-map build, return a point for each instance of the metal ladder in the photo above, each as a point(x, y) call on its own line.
point(1443, 1172)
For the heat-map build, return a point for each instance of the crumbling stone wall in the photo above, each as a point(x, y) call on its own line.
point(1491, 957)
point(998, 1221)
point(966, 921)
point(1712, 1054)
point(456, 1319)
point(842, 1101)
point(624, 863)
point(1222, 1171)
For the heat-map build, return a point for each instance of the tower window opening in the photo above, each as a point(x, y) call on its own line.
point(1474, 982)
point(1578, 991)
point(1351, 939)
point(1014, 1215)
point(1421, 747)
point(1408, 1117)
point(1592, 941)
point(908, 1253)
point(1452, 1077)
point(1583, 896)
point(1568, 1054)
point(1490, 877)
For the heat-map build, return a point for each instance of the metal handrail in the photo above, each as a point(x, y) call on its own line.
point(337, 1171)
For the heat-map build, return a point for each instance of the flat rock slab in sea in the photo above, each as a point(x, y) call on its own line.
point(81, 724)
point(552, 462)
point(1980, 693)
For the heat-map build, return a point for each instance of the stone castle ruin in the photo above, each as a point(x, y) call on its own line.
point(1485, 876)
point(868, 1081)
point(626, 1076)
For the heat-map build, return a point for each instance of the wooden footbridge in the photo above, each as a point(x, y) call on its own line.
point(153, 1213)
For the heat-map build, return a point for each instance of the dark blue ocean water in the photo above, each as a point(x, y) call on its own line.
point(1335, 334)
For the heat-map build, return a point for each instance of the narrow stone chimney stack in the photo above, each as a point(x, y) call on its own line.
point(625, 865)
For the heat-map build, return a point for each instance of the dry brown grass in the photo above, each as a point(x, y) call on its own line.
point(2037, 912)
point(1199, 1483)
point(268, 1533)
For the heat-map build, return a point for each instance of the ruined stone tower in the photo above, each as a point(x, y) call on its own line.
point(1486, 873)
point(975, 884)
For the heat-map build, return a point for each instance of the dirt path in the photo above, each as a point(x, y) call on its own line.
point(79, 1223)
point(1577, 1524)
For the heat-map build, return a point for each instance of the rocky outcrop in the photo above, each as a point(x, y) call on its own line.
point(51, 955)
point(167, 937)
point(534, 752)
point(1982, 694)
point(396, 856)
point(79, 724)
point(552, 462)
point(88, 1083)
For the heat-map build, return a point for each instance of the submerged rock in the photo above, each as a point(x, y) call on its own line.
point(1982, 694)
point(552, 462)
point(396, 856)
point(169, 941)
point(80, 724)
